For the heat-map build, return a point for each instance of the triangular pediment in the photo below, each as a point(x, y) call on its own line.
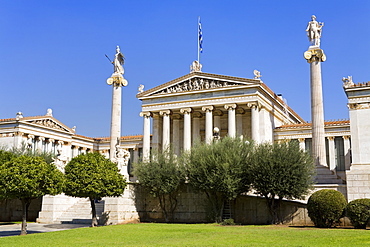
point(198, 81)
point(47, 122)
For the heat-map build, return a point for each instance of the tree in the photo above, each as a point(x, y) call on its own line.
point(281, 170)
point(94, 176)
point(162, 176)
point(27, 178)
point(220, 170)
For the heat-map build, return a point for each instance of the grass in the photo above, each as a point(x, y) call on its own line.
point(151, 234)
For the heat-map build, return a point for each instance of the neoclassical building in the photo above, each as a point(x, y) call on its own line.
point(201, 106)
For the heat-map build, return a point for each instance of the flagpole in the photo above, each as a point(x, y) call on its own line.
point(198, 37)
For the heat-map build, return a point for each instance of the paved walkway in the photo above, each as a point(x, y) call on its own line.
point(15, 229)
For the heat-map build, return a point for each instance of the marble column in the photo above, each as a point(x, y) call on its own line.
point(115, 128)
point(196, 126)
point(239, 121)
point(314, 57)
point(231, 119)
point(302, 144)
point(347, 152)
point(166, 129)
point(187, 128)
point(40, 141)
point(156, 131)
point(146, 137)
point(332, 163)
point(50, 145)
point(209, 124)
point(255, 122)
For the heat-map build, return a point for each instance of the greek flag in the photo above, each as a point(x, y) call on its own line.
point(200, 36)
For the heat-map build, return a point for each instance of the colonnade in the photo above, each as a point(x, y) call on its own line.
point(191, 124)
point(331, 149)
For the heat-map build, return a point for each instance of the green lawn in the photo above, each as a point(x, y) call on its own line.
point(193, 235)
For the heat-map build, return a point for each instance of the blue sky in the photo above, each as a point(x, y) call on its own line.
point(52, 52)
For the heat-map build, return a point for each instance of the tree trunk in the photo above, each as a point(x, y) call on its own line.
point(274, 209)
point(25, 205)
point(94, 221)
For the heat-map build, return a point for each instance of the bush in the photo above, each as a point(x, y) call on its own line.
point(228, 222)
point(325, 207)
point(358, 211)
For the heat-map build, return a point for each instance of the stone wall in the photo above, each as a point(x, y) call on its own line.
point(192, 206)
point(11, 210)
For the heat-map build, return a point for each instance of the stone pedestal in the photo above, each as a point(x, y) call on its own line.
point(121, 209)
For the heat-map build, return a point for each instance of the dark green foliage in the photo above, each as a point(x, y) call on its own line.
point(27, 178)
point(220, 170)
point(358, 211)
point(281, 170)
point(162, 176)
point(325, 207)
point(5, 156)
point(92, 175)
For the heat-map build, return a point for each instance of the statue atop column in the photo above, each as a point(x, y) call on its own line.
point(314, 30)
point(117, 76)
point(118, 62)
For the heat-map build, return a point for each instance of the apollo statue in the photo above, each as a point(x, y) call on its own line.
point(314, 30)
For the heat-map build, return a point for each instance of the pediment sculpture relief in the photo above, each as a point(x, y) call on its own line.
point(48, 123)
point(196, 84)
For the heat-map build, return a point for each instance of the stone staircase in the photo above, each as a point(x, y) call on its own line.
point(80, 212)
point(325, 176)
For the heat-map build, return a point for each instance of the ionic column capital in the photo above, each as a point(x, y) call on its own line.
point(301, 140)
point(40, 138)
point(254, 105)
point(346, 137)
point(165, 112)
point(315, 55)
point(230, 106)
point(51, 140)
point(207, 108)
point(60, 142)
point(146, 114)
point(30, 136)
point(185, 110)
point(331, 138)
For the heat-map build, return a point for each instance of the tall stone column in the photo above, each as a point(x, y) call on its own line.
point(187, 128)
point(209, 123)
point(117, 81)
point(255, 122)
point(231, 119)
point(314, 57)
point(166, 129)
point(331, 153)
point(146, 137)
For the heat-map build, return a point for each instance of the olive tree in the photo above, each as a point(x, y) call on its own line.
point(27, 178)
point(162, 176)
point(281, 170)
point(220, 170)
point(94, 176)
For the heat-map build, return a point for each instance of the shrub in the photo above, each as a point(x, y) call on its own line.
point(228, 222)
point(325, 207)
point(358, 211)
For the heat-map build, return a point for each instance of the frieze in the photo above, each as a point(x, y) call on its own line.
point(48, 123)
point(196, 84)
point(358, 106)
